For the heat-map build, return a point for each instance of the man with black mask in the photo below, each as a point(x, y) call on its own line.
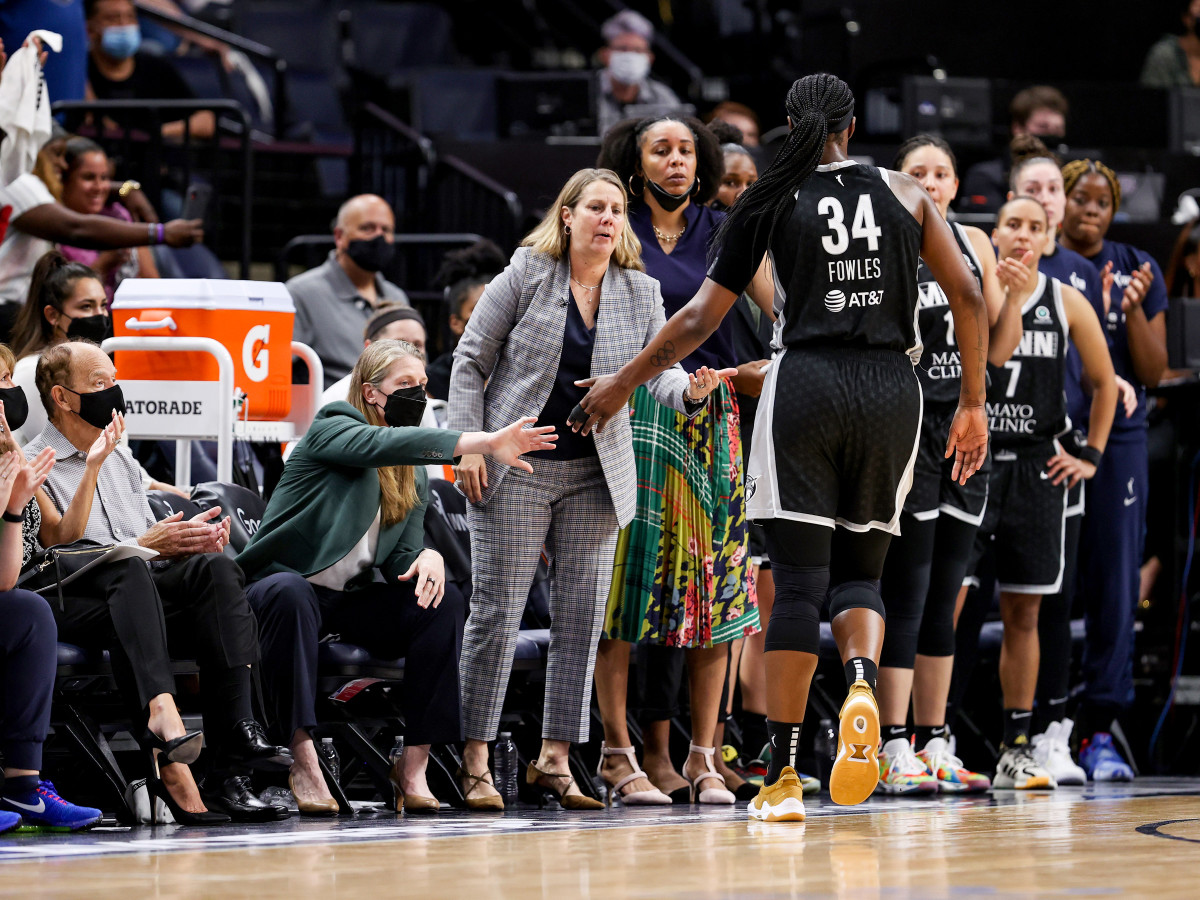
point(206, 608)
point(335, 300)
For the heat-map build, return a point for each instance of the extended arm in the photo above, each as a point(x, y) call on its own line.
point(55, 222)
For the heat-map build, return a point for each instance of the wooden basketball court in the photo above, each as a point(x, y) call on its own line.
point(1136, 840)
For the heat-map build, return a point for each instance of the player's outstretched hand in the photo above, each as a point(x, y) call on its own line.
point(968, 442)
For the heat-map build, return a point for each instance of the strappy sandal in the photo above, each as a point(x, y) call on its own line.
point(716, 796)
point(534, 776)
point(652, 797)
point(469, 781)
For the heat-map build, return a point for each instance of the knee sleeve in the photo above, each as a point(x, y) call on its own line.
point(905, 604)
point(796, 616)
point(855, 595)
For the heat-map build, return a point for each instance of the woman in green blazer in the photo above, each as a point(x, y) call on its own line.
point(351, 502)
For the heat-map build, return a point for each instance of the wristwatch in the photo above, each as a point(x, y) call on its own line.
point(128, 188)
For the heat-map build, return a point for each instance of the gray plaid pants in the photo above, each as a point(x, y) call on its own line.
point(566, 505)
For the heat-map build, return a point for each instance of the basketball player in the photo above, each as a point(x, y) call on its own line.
point(1027, 487)
point(837, 427)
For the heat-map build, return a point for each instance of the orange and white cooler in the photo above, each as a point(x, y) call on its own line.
point(252, 319)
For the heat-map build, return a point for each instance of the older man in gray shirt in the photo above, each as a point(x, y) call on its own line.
point(334, 300)
point(206, 609)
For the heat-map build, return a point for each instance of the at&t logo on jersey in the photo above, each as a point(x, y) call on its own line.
point(835, 301)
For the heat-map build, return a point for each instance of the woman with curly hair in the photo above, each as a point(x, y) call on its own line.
point(681, 573)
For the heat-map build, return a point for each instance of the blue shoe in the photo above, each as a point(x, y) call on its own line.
point(9, 821)
point(43, 808)
point(1101, 760)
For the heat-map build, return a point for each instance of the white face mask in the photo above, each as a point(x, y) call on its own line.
point(629, 66)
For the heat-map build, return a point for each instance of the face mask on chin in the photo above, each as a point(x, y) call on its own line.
point(668, 201)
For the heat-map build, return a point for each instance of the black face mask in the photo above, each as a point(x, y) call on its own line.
point(96, 329)
point(372, 255)
point(16, 406)
point(668, 201)
point(97, 407)
point(405, 407)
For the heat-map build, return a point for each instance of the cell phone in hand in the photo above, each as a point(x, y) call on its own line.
point(195, 203)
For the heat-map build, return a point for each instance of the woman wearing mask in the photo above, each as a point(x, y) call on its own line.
point(1134, 317)
point(352, 501)
point(681, 579)
point(573, 304)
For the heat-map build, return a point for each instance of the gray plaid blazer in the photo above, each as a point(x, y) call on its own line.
point(506, 361)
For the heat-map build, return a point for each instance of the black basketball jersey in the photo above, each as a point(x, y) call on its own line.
point(1025, 400)
point(845, 263)
point(940, 369)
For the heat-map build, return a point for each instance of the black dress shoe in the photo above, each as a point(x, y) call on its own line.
point(233, 796)
point(248, 745)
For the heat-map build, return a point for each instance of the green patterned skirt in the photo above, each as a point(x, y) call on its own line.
point(681, 577)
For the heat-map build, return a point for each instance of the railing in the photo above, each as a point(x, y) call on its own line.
point(253, 49)
point(428, 191)
point(148, 154)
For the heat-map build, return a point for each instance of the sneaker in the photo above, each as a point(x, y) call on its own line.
point(1052, 751)
point(43, 808)
point(856, 766)
point(9, 821)
point(781, 802)
point(1018, 769)
point(947, 769)
point(1101, 760)
point(756, 770)
point(900, 772)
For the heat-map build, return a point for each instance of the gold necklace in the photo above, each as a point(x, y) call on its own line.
point(586, 287)
point(668, 238)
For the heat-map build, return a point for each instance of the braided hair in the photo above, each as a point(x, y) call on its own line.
point(1076, 169)
point(814, 103)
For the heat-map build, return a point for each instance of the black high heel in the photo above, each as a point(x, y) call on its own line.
point(184, 749)
point(158, 790)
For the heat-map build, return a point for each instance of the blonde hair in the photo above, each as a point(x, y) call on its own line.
point(397, 484)
point(550, 235)
point(7, 360)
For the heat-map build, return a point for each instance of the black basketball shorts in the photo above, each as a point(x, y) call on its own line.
point(1025, 520)
point(934, 492)
point(835, 439)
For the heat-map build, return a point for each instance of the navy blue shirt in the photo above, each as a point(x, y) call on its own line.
point(1125, 259)
point(681, 272)
point(575, 364)
point(1072, 269)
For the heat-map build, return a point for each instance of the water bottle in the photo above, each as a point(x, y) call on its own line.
point(330, 755)
point(506, 768)
point(825, 749)
point(397, 753)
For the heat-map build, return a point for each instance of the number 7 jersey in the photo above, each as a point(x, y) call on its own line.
point(849, 278)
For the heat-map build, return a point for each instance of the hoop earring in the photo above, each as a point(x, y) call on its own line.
point(696, 187)
point(566, 229)
point(632, 192)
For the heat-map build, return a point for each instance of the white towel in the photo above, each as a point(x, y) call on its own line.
point(24, 108)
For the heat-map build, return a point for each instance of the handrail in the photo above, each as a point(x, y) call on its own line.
point(246, 45)
point(424, 144)
point(157, 108)
point(489, 184)
point(282, 261)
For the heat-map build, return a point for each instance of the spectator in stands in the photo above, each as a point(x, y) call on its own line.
point(335, 300)
point(28, 656)
point(574, 303)
point(391, 322)
point(352, 501)
point(1183, 273)
point(207, 613)
point(86, 190)
point(35, 221)
point(463, 276)
point(741, 117)
point(51, 167)
point(117, 71)
point(625, 80)
point(112, 607)
point(1174, 60)
point(1040, 110)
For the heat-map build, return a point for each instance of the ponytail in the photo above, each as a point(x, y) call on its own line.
point(52, 284)
point(819, 105)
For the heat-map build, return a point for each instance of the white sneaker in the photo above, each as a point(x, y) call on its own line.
point(1053, 753)
point(1018, 770)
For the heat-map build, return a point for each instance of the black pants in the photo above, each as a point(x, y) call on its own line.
point(386, 621)
point(116, 607)
point(28, 662)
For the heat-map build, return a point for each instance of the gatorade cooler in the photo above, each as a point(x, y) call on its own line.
point(253, 319)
